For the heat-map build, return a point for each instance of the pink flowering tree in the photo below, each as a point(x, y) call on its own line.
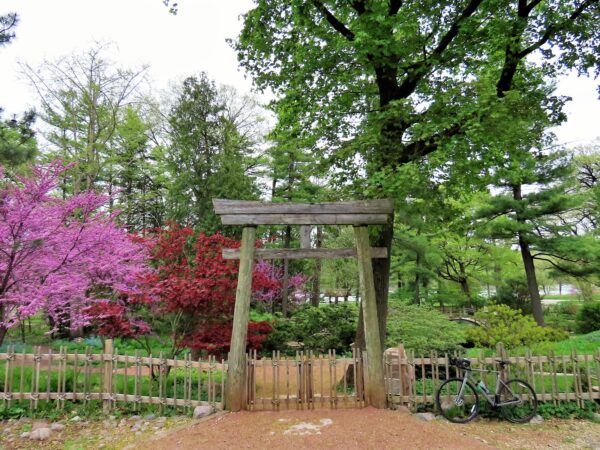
point(60, 256)
point(267, 285)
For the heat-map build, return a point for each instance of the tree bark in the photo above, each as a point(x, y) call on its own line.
point(315, 296)
point(3, 332)
point(284, 289)
point(532, 284)
point(381, 277)
point(528, 263)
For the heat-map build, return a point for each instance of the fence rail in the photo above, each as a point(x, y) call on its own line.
point(110, 378)
point(412, 381)
point(305, 381)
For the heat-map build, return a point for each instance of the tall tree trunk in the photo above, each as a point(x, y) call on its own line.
point(528, 263)
point(532, 284)
point(381, 277)
point(3, 331)
point(464, 283)
point(315, 296)
point(417, 296)
point(284, 289)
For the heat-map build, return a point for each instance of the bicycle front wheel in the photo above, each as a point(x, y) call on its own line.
point(454, 406)
point(518, 401)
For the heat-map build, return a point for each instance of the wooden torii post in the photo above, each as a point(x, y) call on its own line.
point(250, 214)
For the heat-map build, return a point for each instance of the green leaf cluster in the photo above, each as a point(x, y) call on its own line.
point(588, 318)
point(422, 329)
point(501, 323)
point(328, 327)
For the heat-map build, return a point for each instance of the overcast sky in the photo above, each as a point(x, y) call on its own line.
point(177, 46)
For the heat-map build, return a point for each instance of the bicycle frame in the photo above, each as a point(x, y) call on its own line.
point(493, 398)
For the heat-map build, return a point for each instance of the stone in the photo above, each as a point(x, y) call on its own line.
point(425, 417)
point(75, 419)
point(135, 417)
point(41, 434)
point(39, 424)
point(122, 423)
point(202, 411)
point(537, 419)
point(57, 427)
point(25, 434)
point(150, 416)
point(596, 417)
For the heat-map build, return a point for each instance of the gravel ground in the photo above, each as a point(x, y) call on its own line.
point(371, 429)
point(366, 428)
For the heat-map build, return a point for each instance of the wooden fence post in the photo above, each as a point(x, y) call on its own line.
point(236, 376)
point(375, 385)
point(107, 375)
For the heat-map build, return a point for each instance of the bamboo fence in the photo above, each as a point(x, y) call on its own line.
point(412, 381)
point(110, 378)
point(305, 381)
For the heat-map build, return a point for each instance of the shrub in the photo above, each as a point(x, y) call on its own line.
point(422, 329)
point(588, 318)
point(316, 328)
point(513, 292)
point(500, 323)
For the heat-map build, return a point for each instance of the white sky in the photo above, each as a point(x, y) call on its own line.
point(178, 46)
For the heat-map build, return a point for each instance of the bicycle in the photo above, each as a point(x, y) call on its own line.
point(458, 399)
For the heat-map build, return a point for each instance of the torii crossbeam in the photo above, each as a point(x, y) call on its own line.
point(250, 214)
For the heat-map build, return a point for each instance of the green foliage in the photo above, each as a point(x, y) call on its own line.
point(513, 292)
point(17, 140)
point(317, 329)
point(588, 318)
point(210, 156)
point(422, 329)
point(562, 315)
point(500, 323)
point(567, 410)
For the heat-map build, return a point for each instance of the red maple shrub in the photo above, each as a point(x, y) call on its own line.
point(191, 295)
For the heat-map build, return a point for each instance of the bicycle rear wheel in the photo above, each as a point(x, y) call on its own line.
point(453, 406)
point(518, 401)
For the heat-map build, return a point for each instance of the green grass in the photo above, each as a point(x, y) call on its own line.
point(173, 385)
point(574, 297)
point(583, 344)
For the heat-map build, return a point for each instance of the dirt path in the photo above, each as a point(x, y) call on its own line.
point(370, 429)
point(347, 429)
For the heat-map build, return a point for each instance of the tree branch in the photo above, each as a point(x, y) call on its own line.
point(421, 69)
point(334, 21)
point(553, 29)
point(394, 7)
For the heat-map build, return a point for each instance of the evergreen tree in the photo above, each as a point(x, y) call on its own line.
point(8, 23)
point(209, 157)
point(17, 140)
point(534, 196)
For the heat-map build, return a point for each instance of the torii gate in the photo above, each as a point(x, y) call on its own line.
point(250, 214)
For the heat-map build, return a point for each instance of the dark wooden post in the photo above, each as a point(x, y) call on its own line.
point(236, 375)
point(374, 384)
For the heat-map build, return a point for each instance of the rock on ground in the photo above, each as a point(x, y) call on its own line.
point(41, 434)
point(537, 419)
point(426, 417)
point(202, 411)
